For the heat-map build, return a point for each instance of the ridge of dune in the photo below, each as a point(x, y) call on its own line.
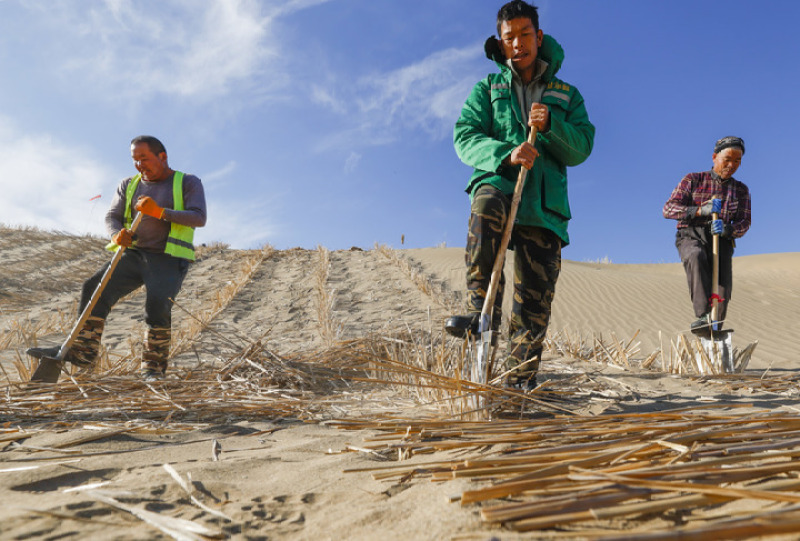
point(622, 298)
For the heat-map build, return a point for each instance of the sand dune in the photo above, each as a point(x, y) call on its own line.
point(603, 298)
point(283, 477)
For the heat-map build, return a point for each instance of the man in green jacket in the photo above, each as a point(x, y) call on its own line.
point(491, 136)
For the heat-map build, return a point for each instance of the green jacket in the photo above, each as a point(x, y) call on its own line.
point(491, 125)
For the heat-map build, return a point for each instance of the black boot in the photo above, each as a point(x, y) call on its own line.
point(461, 326)
point(467, 325)
point(523, 360)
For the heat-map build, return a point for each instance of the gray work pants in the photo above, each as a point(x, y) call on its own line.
point(695, 248)
point(160, 274)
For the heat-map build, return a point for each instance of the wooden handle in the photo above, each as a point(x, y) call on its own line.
point(76, 329)
point(715, 273)
point(500, 258)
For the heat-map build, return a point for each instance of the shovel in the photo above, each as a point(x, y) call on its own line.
point(480, 370)
point(719, 344)
point(49, 368)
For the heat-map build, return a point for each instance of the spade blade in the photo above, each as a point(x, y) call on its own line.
point(719, 348)
point(48, 371)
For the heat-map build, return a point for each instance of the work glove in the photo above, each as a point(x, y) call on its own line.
point(710, 207)
point(718, 227)
point(146, 205)
point(123, 237)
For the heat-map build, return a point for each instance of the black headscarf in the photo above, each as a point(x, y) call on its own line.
point(727, 142)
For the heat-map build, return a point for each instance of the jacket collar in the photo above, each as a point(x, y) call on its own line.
point(550, 52)
point(539, 70)
point(718, 178)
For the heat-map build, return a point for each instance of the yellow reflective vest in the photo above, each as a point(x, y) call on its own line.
point(181, 237)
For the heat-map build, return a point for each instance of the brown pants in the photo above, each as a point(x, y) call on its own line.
point(695, 248)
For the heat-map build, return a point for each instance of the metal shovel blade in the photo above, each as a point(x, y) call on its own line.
point(719, 348)
point(482, 361)
point(484, 346)
point(48, 371)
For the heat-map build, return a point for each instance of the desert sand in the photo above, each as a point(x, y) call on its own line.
point(126, 460)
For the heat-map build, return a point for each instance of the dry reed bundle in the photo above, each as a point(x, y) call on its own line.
point(425, 371)
point(782, 385)
point(207, 250)
point(429, 370)
point(682, 357)
point(616, 352)
point(186, 335)
point(435, 289)
point(578, 474)
point(253, 384)
point(690, 357)
point(325, 298)
point(25, 332)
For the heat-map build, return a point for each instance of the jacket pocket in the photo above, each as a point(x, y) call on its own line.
point(555, 196)
point(502, 112)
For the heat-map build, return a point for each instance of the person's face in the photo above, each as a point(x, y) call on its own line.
point(727, 161)
point(520, 42)
point(153, 167)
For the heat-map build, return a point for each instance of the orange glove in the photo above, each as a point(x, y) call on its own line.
point(146, 205)
point(123, 237)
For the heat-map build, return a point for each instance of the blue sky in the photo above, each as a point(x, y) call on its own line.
point(329, 122)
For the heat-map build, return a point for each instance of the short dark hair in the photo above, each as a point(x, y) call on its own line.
point(156, 146)
point(515, 10)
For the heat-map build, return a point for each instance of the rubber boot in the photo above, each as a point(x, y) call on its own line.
point(156, 352)
point(84, 350)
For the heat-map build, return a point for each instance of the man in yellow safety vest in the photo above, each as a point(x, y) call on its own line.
point(156, 256)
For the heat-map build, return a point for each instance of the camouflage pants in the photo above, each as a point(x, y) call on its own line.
point(537, 264)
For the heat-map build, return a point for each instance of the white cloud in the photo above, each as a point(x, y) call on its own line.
point(351, 163)
point(190, 49)
point(240, 223)
point(219, 175)
point(326, 98)
point(427, 95)
point(414, 95)
point(296, 5)
point(137, 49)
point(49, 184)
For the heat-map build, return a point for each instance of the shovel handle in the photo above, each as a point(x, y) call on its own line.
point(485, 322)
point(500, 258)
point(715, 273)
point(87, 311)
